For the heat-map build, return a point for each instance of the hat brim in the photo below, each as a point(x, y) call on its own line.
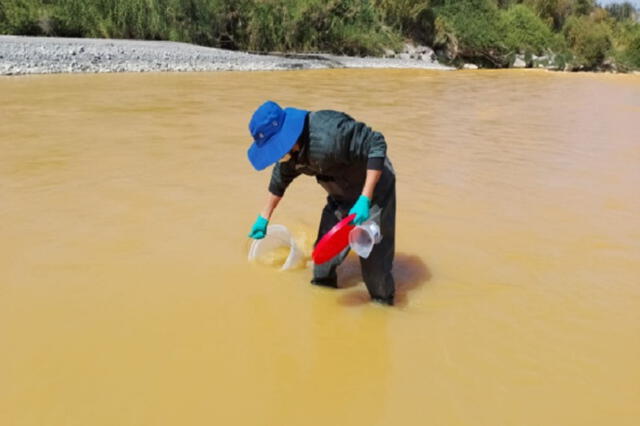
point(279, 144)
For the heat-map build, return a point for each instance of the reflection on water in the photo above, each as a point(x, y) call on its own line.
point(409, 272)
point(126, 296)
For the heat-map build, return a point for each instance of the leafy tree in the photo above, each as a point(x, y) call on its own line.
point(477, 27)
point(627, 45)
point(631, 54)
point(412, 18)
point(554, 12)
point(622, 11)
point(19, 17)
point(589, 41)
point(582, 7)
point(525, 32)
point(351, 27)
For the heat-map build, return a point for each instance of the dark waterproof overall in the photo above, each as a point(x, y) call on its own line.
point(338, 150)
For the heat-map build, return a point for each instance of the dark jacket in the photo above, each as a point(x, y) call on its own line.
point(337, 150)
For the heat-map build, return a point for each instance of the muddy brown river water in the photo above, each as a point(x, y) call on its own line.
point(126, 297)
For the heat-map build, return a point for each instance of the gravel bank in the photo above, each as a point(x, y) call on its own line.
point(42, 55)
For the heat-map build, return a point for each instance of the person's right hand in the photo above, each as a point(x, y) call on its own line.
point(259, 228)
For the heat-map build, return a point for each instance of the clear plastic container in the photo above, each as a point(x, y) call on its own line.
point(363, 237)
point(277, 247)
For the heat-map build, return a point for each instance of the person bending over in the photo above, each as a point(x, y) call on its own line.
point(349, 160)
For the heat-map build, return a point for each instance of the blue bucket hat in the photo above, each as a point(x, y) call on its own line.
point(275, 131)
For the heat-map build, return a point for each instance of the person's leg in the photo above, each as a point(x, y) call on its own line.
point(325, 274)
point(376, 269)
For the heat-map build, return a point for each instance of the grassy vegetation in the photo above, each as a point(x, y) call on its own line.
point(342, 26)
point(577, 34)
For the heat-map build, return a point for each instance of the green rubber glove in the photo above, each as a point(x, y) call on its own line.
point(259, 228)
point(361, 210)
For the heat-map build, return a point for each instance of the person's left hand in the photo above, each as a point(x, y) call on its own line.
point(361, 210)
point(259, 228)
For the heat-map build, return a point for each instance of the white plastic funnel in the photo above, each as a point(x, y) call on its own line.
point(278, 238)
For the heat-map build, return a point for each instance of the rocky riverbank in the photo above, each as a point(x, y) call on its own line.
point(42, 55)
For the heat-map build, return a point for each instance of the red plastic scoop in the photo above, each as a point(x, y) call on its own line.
point(334, 241)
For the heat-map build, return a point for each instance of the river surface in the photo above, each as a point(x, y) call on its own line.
point(126, 297)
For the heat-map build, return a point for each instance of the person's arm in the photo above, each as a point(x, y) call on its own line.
point(367, 145)
point(373, 176)
point(363, 204)
point(270, 206)
point(259, 228)
point(281, 177)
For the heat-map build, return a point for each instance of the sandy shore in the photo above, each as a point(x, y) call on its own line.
point(41, 55)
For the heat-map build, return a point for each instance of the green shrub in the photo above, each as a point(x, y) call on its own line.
point(556, 12)
point(73, 18)
point(589, 41)
point(630, 56)
point(627, 46)
point(340, 26)
point(414, 19)
point(20, 17)
point(553, 12)
point(194, 21)
point(582, 7)
point(525, 32)
point(622, 11)
point(445, 41)
point(476, 22)
point(269, 27)
point(476, 26)
point(352, 27)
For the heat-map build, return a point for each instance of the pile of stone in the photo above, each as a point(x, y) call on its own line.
point(543, 61)
point(42, 55)
point(424, 54)
point(413, 52)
